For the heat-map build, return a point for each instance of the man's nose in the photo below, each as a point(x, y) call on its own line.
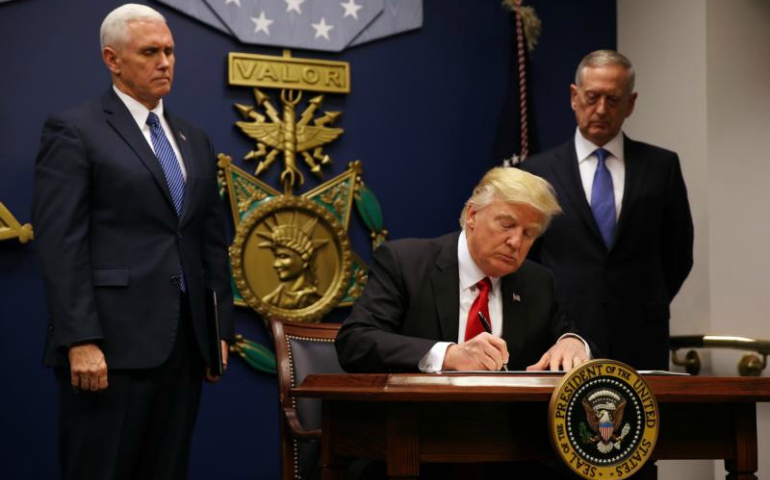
point(514, 239)
point(601, 106)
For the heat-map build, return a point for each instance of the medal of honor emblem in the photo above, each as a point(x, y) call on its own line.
point(291, 256)
point(309, 255)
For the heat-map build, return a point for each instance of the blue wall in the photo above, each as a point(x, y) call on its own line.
point(421, 116)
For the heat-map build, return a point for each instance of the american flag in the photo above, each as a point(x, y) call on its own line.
point(327, 25)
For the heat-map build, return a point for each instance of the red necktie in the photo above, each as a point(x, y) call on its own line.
point(481, 304)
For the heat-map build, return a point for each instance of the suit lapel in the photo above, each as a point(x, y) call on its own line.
point(123, 123)
point(636, 171)
point(445, 279)
point(567, 173)
point(513, 314)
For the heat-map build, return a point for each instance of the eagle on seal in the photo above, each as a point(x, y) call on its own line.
point(604, 413)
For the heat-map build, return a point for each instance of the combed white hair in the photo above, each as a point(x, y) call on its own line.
point(114, 30)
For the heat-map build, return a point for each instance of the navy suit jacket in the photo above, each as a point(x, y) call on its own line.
point(110, 242)
point(412, 300)
point(620, 296)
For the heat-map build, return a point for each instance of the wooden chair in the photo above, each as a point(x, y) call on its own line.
point(301, 349)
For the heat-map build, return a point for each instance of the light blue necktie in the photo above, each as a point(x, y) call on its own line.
point(603, 198)
point(171, 170)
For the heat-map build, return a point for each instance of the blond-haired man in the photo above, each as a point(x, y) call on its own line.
point(420, 309)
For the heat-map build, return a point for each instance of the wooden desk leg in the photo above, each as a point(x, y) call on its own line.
point(403, 456)
point(743, 465)
point(332, 466)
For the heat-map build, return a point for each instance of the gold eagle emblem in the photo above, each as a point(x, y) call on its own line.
point(275, 134)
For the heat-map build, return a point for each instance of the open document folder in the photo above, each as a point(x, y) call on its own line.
point(513, 378)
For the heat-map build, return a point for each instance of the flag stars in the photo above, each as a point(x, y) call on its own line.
point(262, 23)
point(351, 9)
point(322, 29)
point(294, 5)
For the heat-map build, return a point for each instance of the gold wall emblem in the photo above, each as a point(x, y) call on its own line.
point(291, 257)
point(338, 196)
point(603, 420)
point(276, 133)
point(11, 228)
point(308, 255)
point(285, 134)
point(249, 70)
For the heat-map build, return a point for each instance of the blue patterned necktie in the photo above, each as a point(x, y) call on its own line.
point(168, 162)
point(171, 170)
point(603, 198)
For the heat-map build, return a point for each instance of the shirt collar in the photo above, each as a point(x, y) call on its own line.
point(585, 148)
point(138, 111)
point(470, 273)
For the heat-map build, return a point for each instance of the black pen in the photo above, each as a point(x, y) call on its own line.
point(488, 328)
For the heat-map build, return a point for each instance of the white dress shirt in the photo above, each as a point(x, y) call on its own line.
point(470, 275)
point(587, 163)
point(140, 113)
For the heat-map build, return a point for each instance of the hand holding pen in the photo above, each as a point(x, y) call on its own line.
point(488, 328)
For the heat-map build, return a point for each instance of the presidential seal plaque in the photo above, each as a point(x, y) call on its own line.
point(603, 420)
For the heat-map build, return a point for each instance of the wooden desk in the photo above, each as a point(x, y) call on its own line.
point(408, 419)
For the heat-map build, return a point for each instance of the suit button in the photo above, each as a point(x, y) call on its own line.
point(178, 234)
point(175, 279)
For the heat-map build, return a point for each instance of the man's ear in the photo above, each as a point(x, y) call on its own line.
point(111, 59)
point(470, 216)
point(573, 96)
point(631, 104)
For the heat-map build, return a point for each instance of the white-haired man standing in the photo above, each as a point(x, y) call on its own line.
point(130, 236)
point(624, 246)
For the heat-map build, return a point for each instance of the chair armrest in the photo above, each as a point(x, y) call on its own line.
point(296, 429)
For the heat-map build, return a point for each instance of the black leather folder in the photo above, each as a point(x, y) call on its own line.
point(215, 343)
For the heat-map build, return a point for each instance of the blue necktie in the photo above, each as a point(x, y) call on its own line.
point(603, 198)
point(171, 170)
point(168, 162)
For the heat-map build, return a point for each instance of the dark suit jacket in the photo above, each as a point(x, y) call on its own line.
point(620, 296)
point(110, 242)
point(412, 300)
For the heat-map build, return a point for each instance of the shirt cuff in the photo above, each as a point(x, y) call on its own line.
point(433, 361)
point(588, 349)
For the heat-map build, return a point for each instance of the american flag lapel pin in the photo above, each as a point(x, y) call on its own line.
point(516, 298)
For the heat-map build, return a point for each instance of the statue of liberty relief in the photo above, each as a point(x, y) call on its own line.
point(294, 249)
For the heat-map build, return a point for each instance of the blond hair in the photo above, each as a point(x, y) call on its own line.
point(514, 186)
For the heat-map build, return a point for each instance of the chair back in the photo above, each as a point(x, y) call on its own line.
point(301, 349)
